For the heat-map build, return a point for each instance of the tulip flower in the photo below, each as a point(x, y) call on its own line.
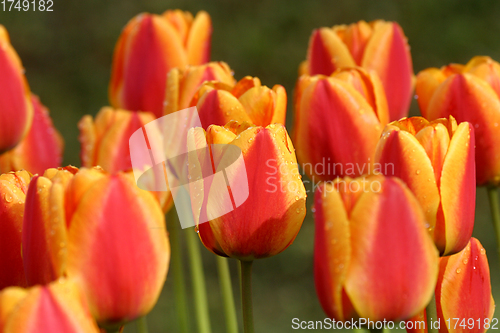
point(58, 307)
point(105, 142)
point(148, 48)
point(380, 46)
point(73, 225)
point(468, 93)
point(41, 148)
point(373, 257)
point(463, 293)
point(16, 112)
point(436, 160)
point(338, 122)
point(246, 101)
point(121, 283)
point(13, 188)
point(270, 218)
point(182, 84)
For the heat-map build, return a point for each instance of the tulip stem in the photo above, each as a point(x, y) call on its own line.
point(495, 213)
point(431, 313)
point(227, 294)
point(246, 295)
point(142, 325)
point(198, 279)
point(177, 272)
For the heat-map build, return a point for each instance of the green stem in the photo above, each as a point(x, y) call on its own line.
point(495, 213)
point(246, 295)
point(177, 271)
point(431, 313)
point(198, 279)
point(226, 289)
point(142, 325)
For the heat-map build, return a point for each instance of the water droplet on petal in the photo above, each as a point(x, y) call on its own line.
point(459, 270)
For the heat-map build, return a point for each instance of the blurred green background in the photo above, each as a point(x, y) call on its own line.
point(67, 55)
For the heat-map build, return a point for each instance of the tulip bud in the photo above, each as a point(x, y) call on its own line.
point(57, 307)
point(121, 283)
point(247, 101)
point(105, 142)
point(436, 161)
point(267, 222)
point(148, 48)
point(41, 148)
point(380, 46)
point(13, 188)
point(468, 93)
point(373, 257)
point(463, 292)
point(16, 112)
point(338, 122)
point(182, 84)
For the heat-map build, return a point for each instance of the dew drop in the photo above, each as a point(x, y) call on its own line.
point(483, 251)
point(418, 172)
point(459, 270)
point(298, 211)
point(8, 198)
point(296, 198)
point(465, 261)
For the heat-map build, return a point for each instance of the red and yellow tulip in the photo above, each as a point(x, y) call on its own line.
point(246, 101)
point(16, 111)
point(104, 142)
point(40, 149)
point(436, 160)
point(378, 45)
point(373, 257)
point(183, 83)
point(58, 307)
point(148, 48)
point(72, 227)
point(338, 122)
point(463, 292)
point(13, 188)
point(468, 93)
point(270, 218)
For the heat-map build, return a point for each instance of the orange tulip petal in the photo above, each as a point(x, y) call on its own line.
point(16, 110)
point(217, 107)
point(54, 308)
point(464, 289)
point(399, 154)
point(426, 84)
point(327, 52)
point(331, 252)
point(9, 298)
point(458, 189)
point(199, 39)
point(38, 231)
point(388, 54)
point(394, 263)
point(469, 98)
point(124, 283)
point(13, 188)
point(329, 111)
point(41, 148)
